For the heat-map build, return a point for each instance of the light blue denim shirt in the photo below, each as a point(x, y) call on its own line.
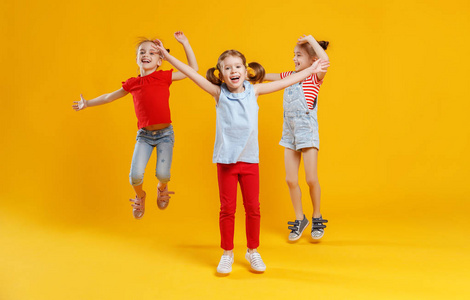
point(236, 136)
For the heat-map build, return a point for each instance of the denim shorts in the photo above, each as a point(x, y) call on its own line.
point(300, 130)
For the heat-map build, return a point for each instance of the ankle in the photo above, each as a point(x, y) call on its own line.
point(228, 252)
point(161, 186)
point(316, 215)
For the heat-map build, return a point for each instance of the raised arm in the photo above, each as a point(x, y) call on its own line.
point(266, 88)
point(202, 82)
point(103, 99)
point(318, 50)
point(192, 62)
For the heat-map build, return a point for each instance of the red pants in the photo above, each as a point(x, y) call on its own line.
point(248, 176)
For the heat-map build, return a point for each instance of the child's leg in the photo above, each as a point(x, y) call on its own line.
point(310, 165)
point(249, 184)
point(292, 163)
point(140, 158)
point(163, 167)
point(228, 178)
point(164, 159)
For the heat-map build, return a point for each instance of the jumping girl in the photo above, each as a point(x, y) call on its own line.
point(150, 91)
point(300, 133)
point(236, 149)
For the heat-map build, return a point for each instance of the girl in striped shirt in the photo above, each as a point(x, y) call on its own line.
point(300, 134)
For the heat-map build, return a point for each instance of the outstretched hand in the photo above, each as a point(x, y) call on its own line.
point(319, 66)
point(180, 37)
point(80, 105)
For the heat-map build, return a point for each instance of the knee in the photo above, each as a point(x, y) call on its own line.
point(227, 209)
point(252, 209)
point(163, 176)
point(292, 182)
point(135, 178)
point(313, 182)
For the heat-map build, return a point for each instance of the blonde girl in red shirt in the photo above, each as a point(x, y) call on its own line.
point(150, 91)
point(300, 134)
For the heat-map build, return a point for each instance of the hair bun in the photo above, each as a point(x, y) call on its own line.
point(324, 44)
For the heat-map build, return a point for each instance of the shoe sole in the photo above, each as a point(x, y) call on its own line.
point(223, 273)
point(300, 235)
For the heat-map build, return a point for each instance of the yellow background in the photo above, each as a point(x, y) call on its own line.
point(393, 164)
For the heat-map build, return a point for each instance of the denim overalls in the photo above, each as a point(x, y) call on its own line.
point(300, 128)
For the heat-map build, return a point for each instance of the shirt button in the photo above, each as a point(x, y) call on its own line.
point(307, 113)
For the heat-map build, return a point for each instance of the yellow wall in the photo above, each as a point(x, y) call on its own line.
point(392, 112)
point(393, 164)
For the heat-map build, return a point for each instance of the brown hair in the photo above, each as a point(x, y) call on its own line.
point(258, 70)
point(307, 47)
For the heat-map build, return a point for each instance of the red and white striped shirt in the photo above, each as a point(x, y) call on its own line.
point(311, 86)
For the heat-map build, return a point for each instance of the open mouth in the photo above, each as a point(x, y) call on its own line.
point(145, 61)
point(234, 79)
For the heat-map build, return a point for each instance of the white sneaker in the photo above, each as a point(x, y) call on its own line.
point(225, 264)
point(255, 261)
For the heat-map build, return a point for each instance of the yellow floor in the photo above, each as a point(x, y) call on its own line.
point(374, 257)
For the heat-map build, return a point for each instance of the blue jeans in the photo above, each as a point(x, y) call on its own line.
point(163, 140)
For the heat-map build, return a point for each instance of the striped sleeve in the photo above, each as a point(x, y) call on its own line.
point(311, 87)
point(285, 74)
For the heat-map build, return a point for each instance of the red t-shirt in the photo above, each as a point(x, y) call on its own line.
point(151, 96)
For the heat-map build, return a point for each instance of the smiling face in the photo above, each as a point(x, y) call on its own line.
point(233, 73)
point(148, 58)
point(302, 59)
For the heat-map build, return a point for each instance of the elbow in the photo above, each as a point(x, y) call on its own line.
point(107, 98)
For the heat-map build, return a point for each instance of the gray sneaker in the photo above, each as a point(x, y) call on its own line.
point(318, 228)
point(297, 228)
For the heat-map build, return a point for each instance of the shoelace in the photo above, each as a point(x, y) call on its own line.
point(225, 262)
point(256, 261)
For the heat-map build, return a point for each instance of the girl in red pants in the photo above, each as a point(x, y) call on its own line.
point(236, 143)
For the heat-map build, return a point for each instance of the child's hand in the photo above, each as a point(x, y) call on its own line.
point(304, 39)
point(319, 66)
point(180, 37)
point(159, 48)
point(80, 105)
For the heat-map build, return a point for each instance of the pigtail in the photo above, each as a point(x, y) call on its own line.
point(257, 74)
point(324, 44)
point(214, 79)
